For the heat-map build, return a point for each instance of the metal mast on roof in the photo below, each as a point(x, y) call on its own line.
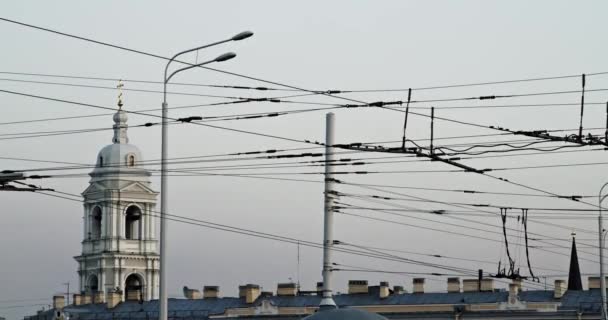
point(328, 241)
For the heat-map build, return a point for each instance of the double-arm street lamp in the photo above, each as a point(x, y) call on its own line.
point(163, 163)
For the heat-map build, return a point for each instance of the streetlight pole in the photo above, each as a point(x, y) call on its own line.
point(163, 307)
point(601, 232)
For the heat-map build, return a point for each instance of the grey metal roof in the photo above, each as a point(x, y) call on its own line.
point(345, 314)
point(585, 301)
point(206, 306)
point(537, 296)
point(423, 298)
point(588, 301)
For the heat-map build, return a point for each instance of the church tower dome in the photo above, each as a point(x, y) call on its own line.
point(120, 157)
point(119, 247)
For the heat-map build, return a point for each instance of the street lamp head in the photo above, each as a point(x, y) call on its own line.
point(225, 56)
point(242, 35)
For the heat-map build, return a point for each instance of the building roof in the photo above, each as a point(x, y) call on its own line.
point(586, 301)
point(343, 314)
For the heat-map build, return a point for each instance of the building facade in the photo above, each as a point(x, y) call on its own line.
point(119, 246)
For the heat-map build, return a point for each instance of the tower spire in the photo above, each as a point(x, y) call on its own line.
point(119, 86)
point(574, 275)
point(120, 120)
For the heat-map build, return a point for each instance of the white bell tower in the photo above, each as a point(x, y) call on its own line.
point(119, 247)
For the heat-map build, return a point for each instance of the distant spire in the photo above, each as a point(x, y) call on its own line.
point(574, 275)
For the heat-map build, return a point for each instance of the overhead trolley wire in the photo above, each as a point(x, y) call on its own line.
point(440, 214)
point(380, 104)
point(446, 231)
point(477, 205)
point(246, 116)
point(124, 89)
point(368, 172)
point(476, 136)
point(268, 154)
point(328, 93)
point(340, 91)
point(243, 231)
point(166, 58)
point(156, 116)
point(299, 95)
point(93, 41)
point(466, 191)
point(146, 81)
point(438, 256)
point(478, 83)
point(24, 306)
point(208, 118)
point(455, 205)
point(245, 99)
point(172, 217)
point(464, 272)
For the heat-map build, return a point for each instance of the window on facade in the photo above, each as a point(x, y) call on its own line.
point(101, 161)
point(96, 223)
point(133, 223)
point(130, 160)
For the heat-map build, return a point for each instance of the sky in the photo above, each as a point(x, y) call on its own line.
point(316, 45)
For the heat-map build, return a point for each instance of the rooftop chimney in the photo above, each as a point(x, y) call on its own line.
point(191, 294)
point(287, 289)
point(77, 298)
point(98, 297)
point(470, 285)
point(113, 298)
point(593, 282)
point(487, 285)
point(210, 292)
point(513, 292)
point(250, 292)
point(357, 286)
point(560, 289)
point(398, 290)
point(384, 290)
point(58, 302)
point(518, 282)
point(453, 284)
point(86, 298)
point(418, 285)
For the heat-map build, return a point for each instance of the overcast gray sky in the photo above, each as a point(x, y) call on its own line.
point(317, 45)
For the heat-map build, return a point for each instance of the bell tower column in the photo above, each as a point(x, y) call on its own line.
point(119, 247)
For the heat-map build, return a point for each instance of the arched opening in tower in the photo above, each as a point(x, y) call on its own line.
point(133, 223)
point(93, 285)
point(131, 161)
point(134, 288)
point(96, 223)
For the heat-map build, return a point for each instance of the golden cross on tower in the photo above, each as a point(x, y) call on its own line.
point(119, 86)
